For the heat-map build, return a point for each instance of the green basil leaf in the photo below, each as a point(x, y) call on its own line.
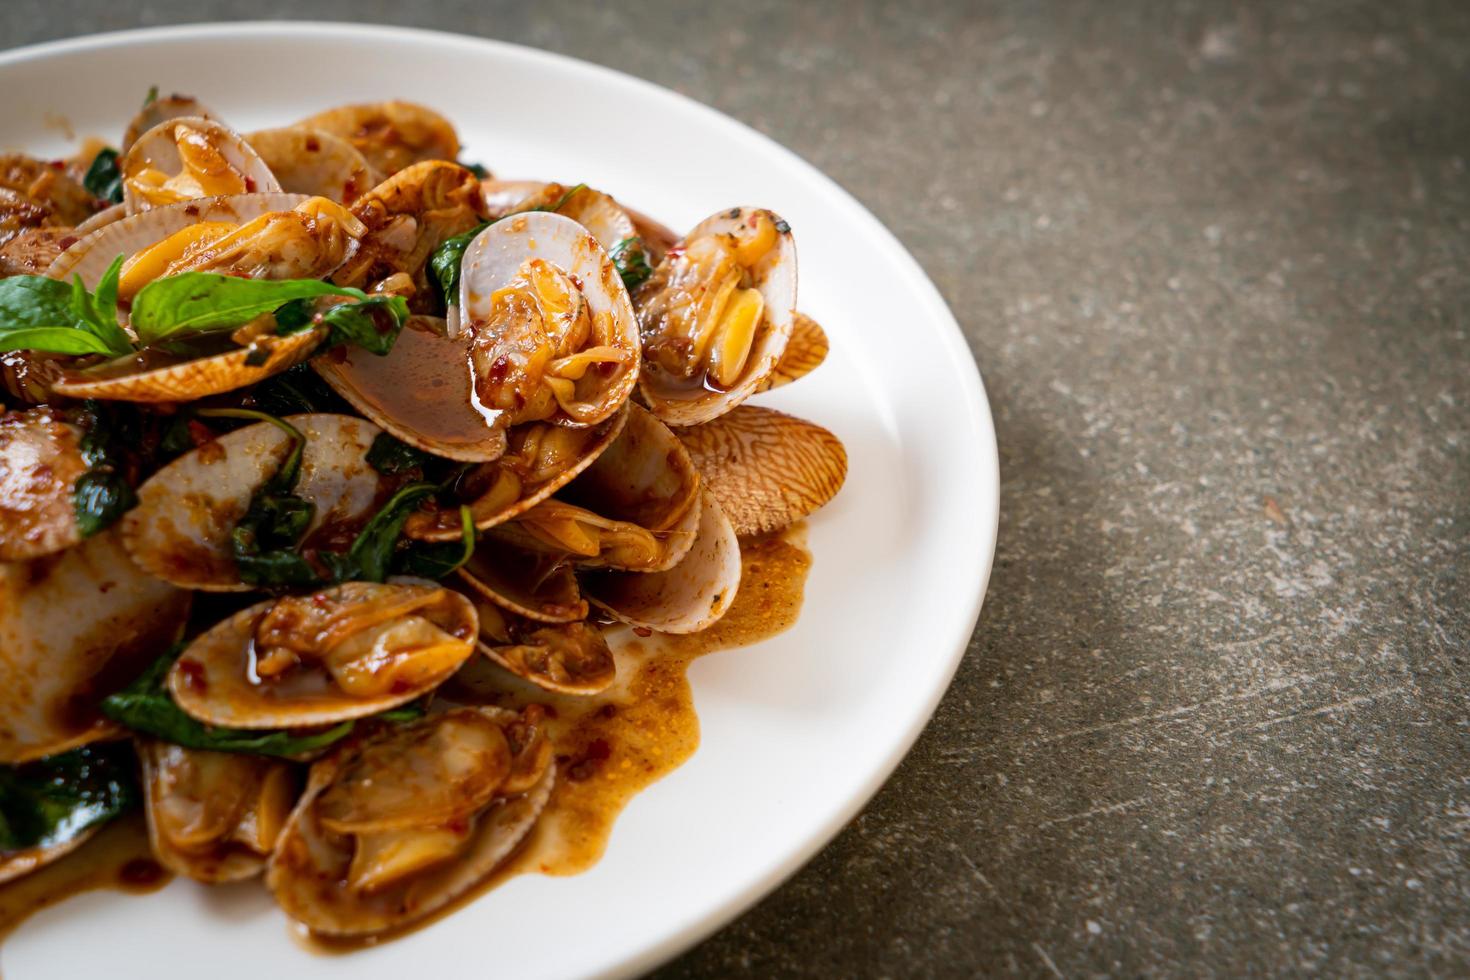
point(371, 554)
point(297, 391)
point(34, 301)
point(196, 302)
point(437, 560)
point(103, 179)
point(372, 324)
point(391, 456)
point(53, 340)
point(100, 496)
point(631, 262)
point(151, 97)
point(105, 299)
point(444, 262)
point(478, 169)
point(54, 800)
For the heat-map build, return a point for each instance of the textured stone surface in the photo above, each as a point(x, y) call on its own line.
point(1212, 260)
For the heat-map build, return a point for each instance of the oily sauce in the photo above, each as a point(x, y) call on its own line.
point(610, 746)
point(118, 857)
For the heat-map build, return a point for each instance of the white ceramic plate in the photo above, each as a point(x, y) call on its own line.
point(798, 732)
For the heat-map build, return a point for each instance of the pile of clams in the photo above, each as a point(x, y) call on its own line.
point(300, 425)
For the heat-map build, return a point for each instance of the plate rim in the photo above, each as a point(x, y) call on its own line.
point(981, 438)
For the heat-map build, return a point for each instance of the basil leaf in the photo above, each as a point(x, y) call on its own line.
point(103, 179)
point(196, 302)
point(371, 554)
point(53, 800)
point(146, 706)
point(151, 97)
point(631, 262)
point(444, 262)
point(391, 456)
point(105, 300)
point(100, 496)
point(264, 541)
point(372, 324)
point(561, 201)
point(34, 301)
point(437, 560)
point(53, 340)
point(478, 169)
point(297, 391)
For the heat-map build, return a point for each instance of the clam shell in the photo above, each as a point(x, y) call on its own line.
point(161, 110)
point(775, 277)
point(525, 583)
point(91, 254)
point(390, 135)
point(444, 525)
point(18, 864)
point(314, 162)
point(419, 391)
point(156, 148)
point(495, 257)
point(305, 872)
point(40, 460)
point(221, 860)
point(104, 217)
point(766, 468)
point(180, 530)
point(605, 218)
point(687, 598)
point(805, 352)
point(127, 380)
point(212, 679)
point(74, 627)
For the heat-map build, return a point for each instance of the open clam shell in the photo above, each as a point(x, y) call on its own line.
point(180, 530)
point(567, 658)
point(766, 468)
point(420, 391)
point(340, 653)
point(213, 816)
point(75, 627)
point(142, 378)
point(553, 336)
point(40, 461)
point(701, 358)
point(390, 135)
point(94, 251)
point(536, 586)
point(540, 459)
point(332, 882)
point(687, 598)
point(314, 161)
point(189, 157)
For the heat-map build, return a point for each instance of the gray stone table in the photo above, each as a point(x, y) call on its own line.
point(1212, 260)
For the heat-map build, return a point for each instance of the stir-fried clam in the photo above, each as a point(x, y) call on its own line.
point(214, 816)
point(552, 334)
point(189, 157)
point(716, 315)
point(184, 527)
point(392, 829)
point(466, 499)
point(332, 655)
